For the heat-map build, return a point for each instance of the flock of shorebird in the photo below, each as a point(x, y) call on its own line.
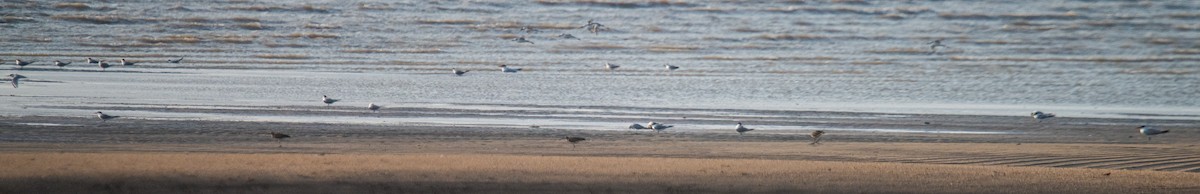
point(592, 27)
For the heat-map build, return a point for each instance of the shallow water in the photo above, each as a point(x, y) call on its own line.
point(1106, 59)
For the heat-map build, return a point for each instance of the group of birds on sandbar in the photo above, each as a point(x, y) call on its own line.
point(100, 63)
point(1144, 130)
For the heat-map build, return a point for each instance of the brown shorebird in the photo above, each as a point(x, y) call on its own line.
point(460, 72)
point(328, 101)
point(816, 136)
point(1148, 131)
point(1039, 115)
point(373, 107)
point(573, 140)
point(16, 78)
point(742, 129)
point(279, 137)
point(174, 60)
point(104, 117)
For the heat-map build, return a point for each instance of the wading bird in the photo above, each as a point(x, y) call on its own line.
point(742, 129)
point(573, 140)
point(279, 137)
point(328, 101)
point(1148, 131)
point(816, 137)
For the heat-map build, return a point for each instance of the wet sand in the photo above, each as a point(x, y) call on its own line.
point(133, 155)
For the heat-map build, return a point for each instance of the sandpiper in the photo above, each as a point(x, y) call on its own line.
point(16, 78)
point(573, 140)
point(1148, 131)
point(126, 63)
point(742, 129)
point(103, 65)
point(104, 117)
point(174, 60)
point(933, 46)
point(505, 69)
point(61, 64)
point(328, 101)
point(22, 64)
point(90, 60)
point(460, 72)
point(816, 136)
point(1039, 115)
point(522, 40)
point(568, 36)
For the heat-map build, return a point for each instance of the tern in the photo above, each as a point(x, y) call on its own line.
point(636, 126)
point(90, 60)
point(61, 64)
point(660, 127)
point(373, 107)
point(567, 36)
point(610, 66)
point(460, 72)
point(126, 63)
point(593, 27)
point(522, 40)
point(1148, 131)
point(328, 101)
point(671, 67)
point(1039, 115)
point(174, 60)
point(22, 64)
point(104, 117)
point(933, 46)
point(16, 78)
point(103, 65)
point(742, 129)
point(505, 69)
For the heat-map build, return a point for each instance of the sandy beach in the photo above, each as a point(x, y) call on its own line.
point(196, 156)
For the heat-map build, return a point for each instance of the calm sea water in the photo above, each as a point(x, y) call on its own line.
point(1136, 59)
